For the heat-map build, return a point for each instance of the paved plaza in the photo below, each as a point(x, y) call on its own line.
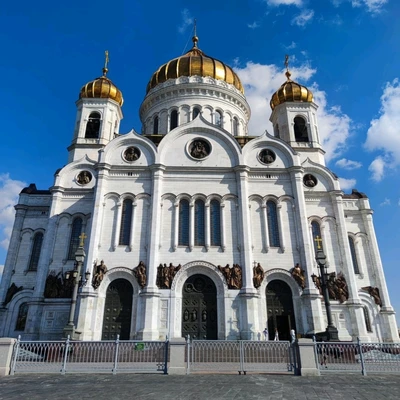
point(193, 387)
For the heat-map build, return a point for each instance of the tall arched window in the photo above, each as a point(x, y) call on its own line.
point(155, 126)
point(35, 253)
point(22, 316)
point(126, 222)
point(173, 122)
point(367, 320)
point(196, 112)
point(74, 239)
point(215, 223)
point(353, 256)
point(199, 231)
point(93, 126)
point(218, 118)
point(300, 130)
point(235, 126)
point(273, 227)
point(316, 234)
point(183, 239)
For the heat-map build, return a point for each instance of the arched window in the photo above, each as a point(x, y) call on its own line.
point(35, 253)
point(215, 223)
point(300, 130)
point(183, 223)
point(353, 256)
point(367, 320)
point(93, 126)
point(74, 239)
point(173, 122)
point(218, 118)
point(22, 316)
point(235, 126)
point(196, 112)
point(155, 126)
point(316, 234)
point(126, 222)
point(199, 232)
point(273, 228)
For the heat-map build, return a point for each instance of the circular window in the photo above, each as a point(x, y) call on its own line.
point(310, 180)
point(131, 154)
point(267, 156)
point(84, 177)
point(199, 149)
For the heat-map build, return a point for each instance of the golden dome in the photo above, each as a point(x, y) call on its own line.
point(195, 62)
point(101, 88)
point(290, 91)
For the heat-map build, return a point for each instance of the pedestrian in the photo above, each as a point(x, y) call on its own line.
point(265, 332)
point(276, 338)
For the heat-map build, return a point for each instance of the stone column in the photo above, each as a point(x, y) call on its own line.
point(177, 364)
point(308, 362)
point(6, 351)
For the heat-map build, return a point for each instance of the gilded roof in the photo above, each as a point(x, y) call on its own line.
point(290, 91)
point(195, 63)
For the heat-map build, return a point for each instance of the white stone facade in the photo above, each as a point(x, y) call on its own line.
point(166, 173)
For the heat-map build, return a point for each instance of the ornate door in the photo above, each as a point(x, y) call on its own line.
point(280, 310)
point(117, 310)
point(199, 308)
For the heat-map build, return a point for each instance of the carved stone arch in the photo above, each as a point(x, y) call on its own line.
point(127, 196)
point(213, 196)
point(143, 196)
point(315, 218)
point(269, 197)
point(112, 196)
point(203, 268)
point(282, 275)
point(118, 273)
point(28, 231)
point(286, 197)
point(229, 197)
point(256, 197)
point(183, 196)
point(13, 306)
point(199, 196)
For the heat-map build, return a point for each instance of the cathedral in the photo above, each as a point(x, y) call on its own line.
point(193, 226)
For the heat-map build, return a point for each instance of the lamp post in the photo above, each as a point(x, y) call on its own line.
point(331, 332)
point(80, 255)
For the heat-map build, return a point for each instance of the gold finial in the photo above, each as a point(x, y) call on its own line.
point(105, 69)
point(195, 39)
point(82, 237)
point(318, 240)
point(287, 73)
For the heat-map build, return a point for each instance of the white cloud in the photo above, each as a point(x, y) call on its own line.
point(377, 167)
point(384, 131)
point(385, 202)
point(303, 18)
point(372, 6)
point(187, 20)
point(9, 191)
point(291, 46)
point(347, 184)
point(348, 164)
point(297, 3)
point(254, 25)
point(261, 81)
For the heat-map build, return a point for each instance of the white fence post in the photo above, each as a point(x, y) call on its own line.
point(65, 357)
point(114, 370)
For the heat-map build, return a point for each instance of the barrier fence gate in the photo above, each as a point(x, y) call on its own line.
point(90, 356)
point(241, 356)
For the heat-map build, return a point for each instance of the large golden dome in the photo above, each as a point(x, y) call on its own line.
point(290, 91)
point(101, 88)
point(195, 62)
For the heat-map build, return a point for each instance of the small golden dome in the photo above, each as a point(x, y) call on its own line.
point(195, 63)
point(290, 91)
point(102, 87)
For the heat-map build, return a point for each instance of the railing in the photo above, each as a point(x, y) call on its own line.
point(358, 357)
point(95, 356)
point(241, 356)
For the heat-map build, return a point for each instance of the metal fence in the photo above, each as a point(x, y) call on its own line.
point(100, 356)
point(358, 357)
point(241, 356)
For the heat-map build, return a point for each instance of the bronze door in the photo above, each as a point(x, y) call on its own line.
point(280, 310)
point(117, 310)
point(199, 308)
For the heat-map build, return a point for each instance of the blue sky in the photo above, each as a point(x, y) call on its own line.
point(347, 51)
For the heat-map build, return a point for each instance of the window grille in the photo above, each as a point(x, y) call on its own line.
point(215, 223)
point(273, 227)
point(199, 232)
point(126, 222)
point(35, 253)
point(316, 231)
point(183, 223)
point(74, 240)
point(353, 256)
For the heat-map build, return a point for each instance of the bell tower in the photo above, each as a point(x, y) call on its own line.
point(98, 116)
point(294, 118)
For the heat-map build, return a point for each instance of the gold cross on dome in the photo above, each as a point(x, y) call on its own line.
point(287, 62)
point(82, 237)
point(318, 240)
point(107, 59)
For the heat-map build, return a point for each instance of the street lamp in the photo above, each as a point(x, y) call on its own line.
point(76, 275)
point(331, 332)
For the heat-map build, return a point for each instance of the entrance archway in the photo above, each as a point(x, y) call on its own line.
point(117, 310)
point(199, 308)
point(279, 309)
